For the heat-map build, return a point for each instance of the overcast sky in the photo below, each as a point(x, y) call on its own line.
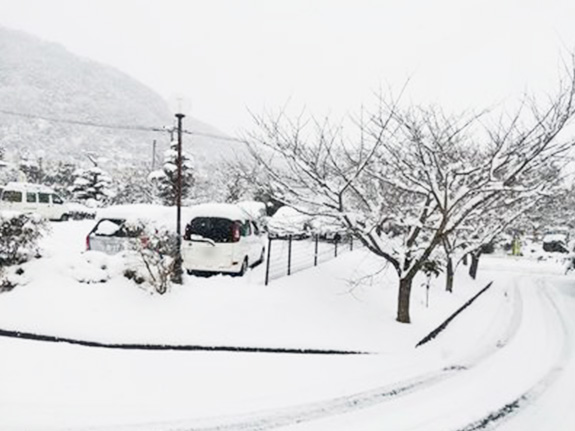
point(329, 56)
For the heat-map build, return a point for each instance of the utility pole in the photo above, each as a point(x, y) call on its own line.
point(154, 155)
point(177, 277)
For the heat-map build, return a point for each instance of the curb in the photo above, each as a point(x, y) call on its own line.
point(441, 327)
point(177, 347)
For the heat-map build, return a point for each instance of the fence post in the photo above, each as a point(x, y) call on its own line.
point(316, 248)
point(268, 261)
point(289, 255)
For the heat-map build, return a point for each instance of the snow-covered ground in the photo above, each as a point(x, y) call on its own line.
point(509, 355)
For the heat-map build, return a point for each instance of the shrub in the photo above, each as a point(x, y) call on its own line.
point(19, 235)
point(156, 250)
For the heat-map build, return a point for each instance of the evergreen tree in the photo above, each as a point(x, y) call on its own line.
point(133, 188)
point(165, 180)
point(92, 186)
point(32, 170)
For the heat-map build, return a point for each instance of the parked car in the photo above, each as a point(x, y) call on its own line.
point(34, 198)
point(289, 222)
point(329, 229)
point(114, 230)
point(556, 241)
point(221, 238)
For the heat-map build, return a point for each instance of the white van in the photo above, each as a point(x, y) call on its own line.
point(221, 238)
point(36, 198)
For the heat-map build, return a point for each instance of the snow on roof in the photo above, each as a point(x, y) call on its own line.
point(254, 208)
point(287, 213)
point(288, 219)
point(229, 211)
point(28, 187)
point(134, 211)
point(555, 237)
point(166, 216)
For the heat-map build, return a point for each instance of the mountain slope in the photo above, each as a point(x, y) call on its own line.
point(43, 79)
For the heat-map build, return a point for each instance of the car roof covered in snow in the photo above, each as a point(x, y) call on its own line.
point(166, 216)
point(158, 214)
point(28, 187)
point(552, 237)
point(221, 210)
point(254, 208)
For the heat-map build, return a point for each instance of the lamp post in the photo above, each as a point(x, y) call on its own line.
point(177, 276)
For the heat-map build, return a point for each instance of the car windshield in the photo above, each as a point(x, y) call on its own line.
point(214, 228)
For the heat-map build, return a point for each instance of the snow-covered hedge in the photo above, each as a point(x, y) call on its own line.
point(19, 235)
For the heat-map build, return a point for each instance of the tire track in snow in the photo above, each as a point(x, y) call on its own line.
point(277, 418)
point(511, 327)
point(505, 413)
point(370, 398)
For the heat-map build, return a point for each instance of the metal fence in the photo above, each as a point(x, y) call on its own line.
point(288, 255)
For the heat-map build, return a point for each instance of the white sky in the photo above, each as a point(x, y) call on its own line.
point(329, 56)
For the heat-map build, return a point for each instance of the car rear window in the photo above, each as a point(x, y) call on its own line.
point(117, 228)
point(214, 228)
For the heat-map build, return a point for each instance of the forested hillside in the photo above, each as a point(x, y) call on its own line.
point(44, 81)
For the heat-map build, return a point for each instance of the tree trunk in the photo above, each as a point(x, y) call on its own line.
point(450, 275)
point(403, 300)
point(474, 265)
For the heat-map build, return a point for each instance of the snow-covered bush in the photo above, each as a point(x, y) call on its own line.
point(19, 235)
point(156, 251)
point(6, 285)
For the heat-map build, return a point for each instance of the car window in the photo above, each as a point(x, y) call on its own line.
point(214, 228)
point(12, 196)
point(108, 227)
point(117, 228)
point(57, 199)
point(31, 197)
point(246, 228)
point(44, 198)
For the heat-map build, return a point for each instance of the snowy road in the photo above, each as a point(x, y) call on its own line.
point(518, 376)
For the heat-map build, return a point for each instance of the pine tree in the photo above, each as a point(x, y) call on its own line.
point(92, 186)
point(165, 180)
point(133, 187)
point(32, 170)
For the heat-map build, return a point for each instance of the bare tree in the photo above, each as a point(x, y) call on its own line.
point(413, 177)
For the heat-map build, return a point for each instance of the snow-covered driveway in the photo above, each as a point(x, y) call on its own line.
point(506, 363)
point(521, 379)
